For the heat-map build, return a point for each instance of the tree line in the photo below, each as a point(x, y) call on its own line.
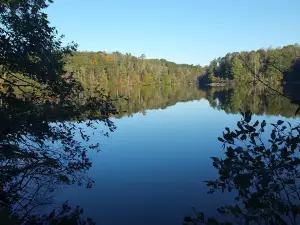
point(101, 69)
point(272, 65)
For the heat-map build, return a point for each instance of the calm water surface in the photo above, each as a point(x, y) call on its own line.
point(151, 169)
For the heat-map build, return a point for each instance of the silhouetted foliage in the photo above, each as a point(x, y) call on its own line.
point(39, 149)
point(261, 173)
point(60, 216)
point(30, 48)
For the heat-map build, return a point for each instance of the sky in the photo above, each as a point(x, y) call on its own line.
point(182, 31)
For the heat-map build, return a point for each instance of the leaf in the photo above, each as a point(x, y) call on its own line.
point(253, 139)
point(243, 180)
point(244, 137)
point(188, 219)
point(273, 135)
point(274, 148)
point(240, 126)
point(201, 216)
point(216, 160)
point(256, 123)
point(221, 210)
point(216, 165)
point(279, 122)
point(64, 178)
point(230, 152)
point(237, 209)
point(221, 139)
point(238, 150)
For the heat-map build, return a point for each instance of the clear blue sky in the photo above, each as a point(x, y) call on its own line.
point(183, 31)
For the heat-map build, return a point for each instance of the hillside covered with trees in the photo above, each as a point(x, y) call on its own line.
point(101, 69)
point(272, 65)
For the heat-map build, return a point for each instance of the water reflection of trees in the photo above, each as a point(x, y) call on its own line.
point(134, 99)
point(141, 98)
point(257, 99)
point(40, 150)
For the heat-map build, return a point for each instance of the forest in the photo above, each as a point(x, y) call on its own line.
point(280, 65)
point(102, 69)
point(94, 69)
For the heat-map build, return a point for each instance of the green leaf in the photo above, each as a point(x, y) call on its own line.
point(256, 123)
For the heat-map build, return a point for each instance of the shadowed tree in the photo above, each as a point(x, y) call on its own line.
point(38, 104)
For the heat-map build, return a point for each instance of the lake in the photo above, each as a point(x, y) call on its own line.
point(151, 169)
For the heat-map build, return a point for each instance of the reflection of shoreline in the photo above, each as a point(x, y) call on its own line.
point(138, 99)
point(258, 99)
point(229, 98)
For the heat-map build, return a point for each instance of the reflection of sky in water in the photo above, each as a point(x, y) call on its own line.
point(150, 170)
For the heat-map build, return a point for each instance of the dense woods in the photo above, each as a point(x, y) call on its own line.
point(101, 68)
point(94, 69)
point(272, 65)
